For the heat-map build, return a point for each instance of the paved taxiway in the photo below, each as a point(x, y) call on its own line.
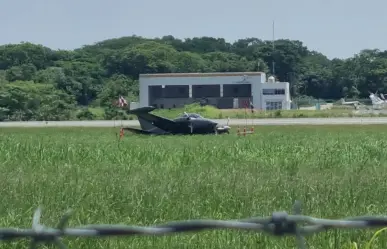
point(233, 122)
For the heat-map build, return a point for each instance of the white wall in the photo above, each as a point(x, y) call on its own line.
point(285, 99)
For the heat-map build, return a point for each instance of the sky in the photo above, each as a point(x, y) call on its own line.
point(338, 29)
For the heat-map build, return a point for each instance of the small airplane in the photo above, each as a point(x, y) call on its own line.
point(378, 103)
point(186, 124)
point(355, 103)
point(343, 102)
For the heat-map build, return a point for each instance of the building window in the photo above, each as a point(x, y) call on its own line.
point(273, 105)
point(273, 91)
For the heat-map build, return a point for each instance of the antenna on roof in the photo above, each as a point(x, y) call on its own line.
point(272, 53)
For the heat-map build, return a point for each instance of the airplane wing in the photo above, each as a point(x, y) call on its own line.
point(155, 131)
point(151, 122)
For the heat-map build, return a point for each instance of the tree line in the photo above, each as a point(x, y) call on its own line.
point(39, 83)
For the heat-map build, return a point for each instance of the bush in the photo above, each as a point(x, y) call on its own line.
point(85, 115)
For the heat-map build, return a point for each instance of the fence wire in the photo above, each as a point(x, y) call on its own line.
point(279, 224)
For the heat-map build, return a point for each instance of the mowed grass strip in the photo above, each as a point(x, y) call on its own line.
point(335, 171)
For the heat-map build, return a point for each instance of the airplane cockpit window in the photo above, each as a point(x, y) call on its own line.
point(191, 115)
point(194, 115)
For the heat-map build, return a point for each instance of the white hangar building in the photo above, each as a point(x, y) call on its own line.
point(223, 90)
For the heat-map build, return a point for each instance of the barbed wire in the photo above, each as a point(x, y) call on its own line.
point(279, 224)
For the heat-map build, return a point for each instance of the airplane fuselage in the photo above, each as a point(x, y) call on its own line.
point(195, 126)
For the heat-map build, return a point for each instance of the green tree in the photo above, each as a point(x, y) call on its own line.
point(37, 82)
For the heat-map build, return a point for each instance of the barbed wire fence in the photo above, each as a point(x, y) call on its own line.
point(279, 224)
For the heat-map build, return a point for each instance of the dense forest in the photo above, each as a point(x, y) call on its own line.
point(38, 83)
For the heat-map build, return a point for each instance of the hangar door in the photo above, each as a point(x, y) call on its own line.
point(237, 90)
point(205, 91)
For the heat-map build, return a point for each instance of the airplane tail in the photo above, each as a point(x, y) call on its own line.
point(142, 110)
point(143, 117)
point(374, 99)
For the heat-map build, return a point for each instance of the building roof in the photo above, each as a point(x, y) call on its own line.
point(217, 74)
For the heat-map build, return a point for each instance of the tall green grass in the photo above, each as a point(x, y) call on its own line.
point(334, 171)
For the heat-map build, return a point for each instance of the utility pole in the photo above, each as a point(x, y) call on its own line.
point(272, 53)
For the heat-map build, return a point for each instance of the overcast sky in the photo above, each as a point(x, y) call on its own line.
point(338, 28)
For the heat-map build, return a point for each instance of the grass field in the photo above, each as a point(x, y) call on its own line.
point(335, 171)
